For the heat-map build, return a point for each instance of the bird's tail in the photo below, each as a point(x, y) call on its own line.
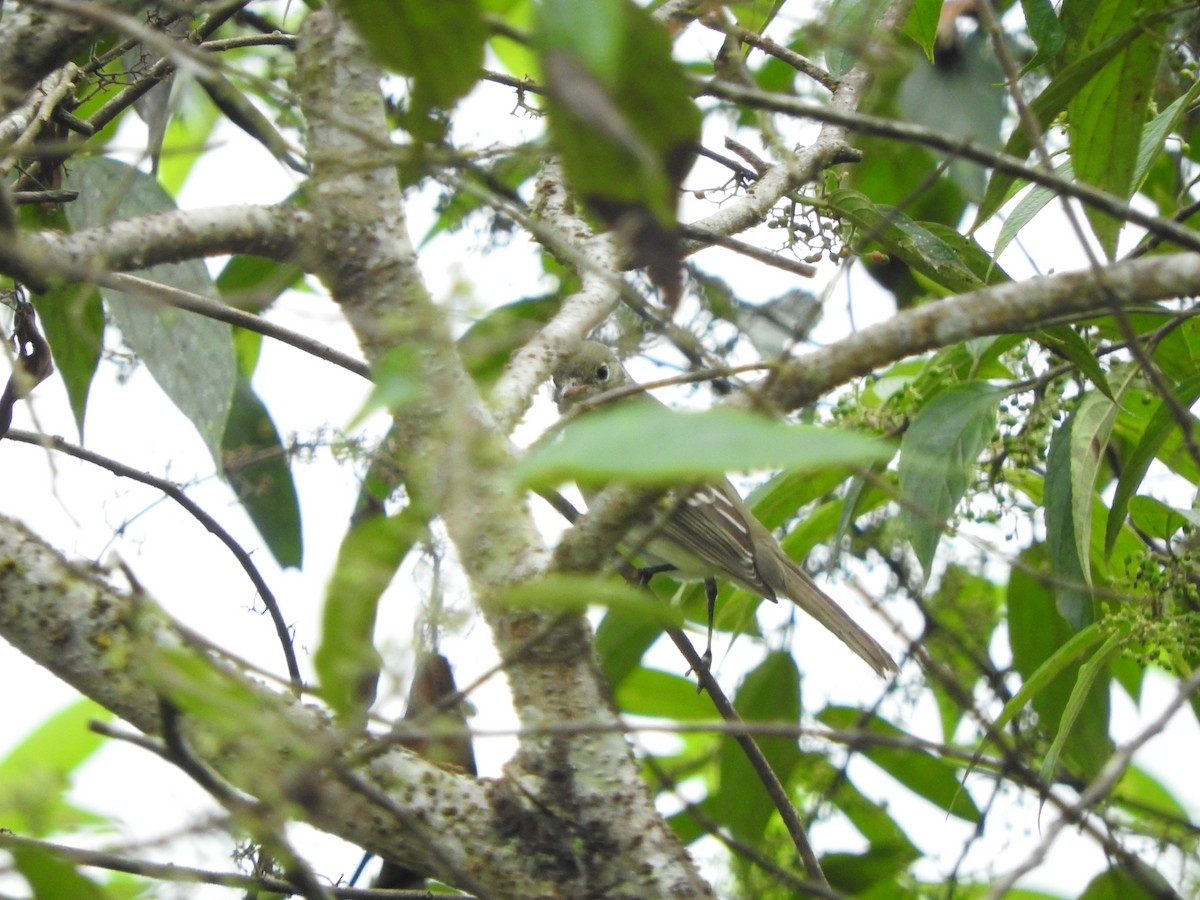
point(801, 590)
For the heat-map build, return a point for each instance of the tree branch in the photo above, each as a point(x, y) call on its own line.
point(1001, 309)
point(176, 493)
point(456, 465)
point(118, 649)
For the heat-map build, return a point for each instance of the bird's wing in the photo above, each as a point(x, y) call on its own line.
point(711, 523)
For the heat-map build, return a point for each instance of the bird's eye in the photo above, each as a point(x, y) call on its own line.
point(602, 372)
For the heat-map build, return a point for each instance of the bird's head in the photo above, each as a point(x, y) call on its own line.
point(588, 372)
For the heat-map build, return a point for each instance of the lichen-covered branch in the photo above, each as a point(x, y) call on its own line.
point(1003, 308)
point(277, 232)
point(34, 41)
point(577, 808)
point(105, 643)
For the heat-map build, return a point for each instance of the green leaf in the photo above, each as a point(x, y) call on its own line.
point(1154, 135)
point(346, 660)
point(662, 695)
point(923, 773)
point(62, 742)
point(1088, 678)
point(1093, 422)
point(879, 868)
point(200, 687)
point(186, 138)
point(945, 257)
point(622, 639)
point(1045, 29)
point(1142, 795)
point(1045, 108)
point(253, 283)
point(1066, 342)
point(1049, 669)
point(73, 324)
point(51, 876)
point(938, 457)
point(35, 775)
point(1158, 520)
point(818, 774)
point(516, 56)
point(922, 23)
point(626, 133)
point(769, 694)
point(777, 500)
point(440, 45)
point(967, 608)
point(1037, 632)
point(1027, 209)
point(190, 356)
point(1118, 884)
point(1061, 517)
point(678, 446)
point(847, 22)
point(488, 345)
point(1107, 114)
point(1162, 423)
point(255, 464)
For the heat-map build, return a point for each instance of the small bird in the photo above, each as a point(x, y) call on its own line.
point(710, 531)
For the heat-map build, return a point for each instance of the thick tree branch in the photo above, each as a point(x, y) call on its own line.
point(281, 232)
point(111, 647)
point(177, 493)
point(455, 465)
point(1004, 308)
point(35, 41)
point(172, 872)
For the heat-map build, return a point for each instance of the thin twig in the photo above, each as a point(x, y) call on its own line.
point(960, 147)
point(176, 493)
point(214, 309)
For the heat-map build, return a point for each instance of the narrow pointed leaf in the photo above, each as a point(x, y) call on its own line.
point(190, 356)
point(1162, 423)
point(674, 446)
point(256, 467)
point(938, 458)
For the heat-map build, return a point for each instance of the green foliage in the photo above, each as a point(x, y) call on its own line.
point(1038, 633)
point(676, 446)
point(1107, 114)
point(51, 876)
point(770, 693)
point(1062, 456)
point(626, 133)
point(37, 773)
point(923, 773)
point(73, 317)
point(190, 356)
point(256, 466)
point(945, 257)
point(346, 660)
point(439, 45)
point(938, 457)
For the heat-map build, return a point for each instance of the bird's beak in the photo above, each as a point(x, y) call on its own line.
point(573, 389)
point(566, 393)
